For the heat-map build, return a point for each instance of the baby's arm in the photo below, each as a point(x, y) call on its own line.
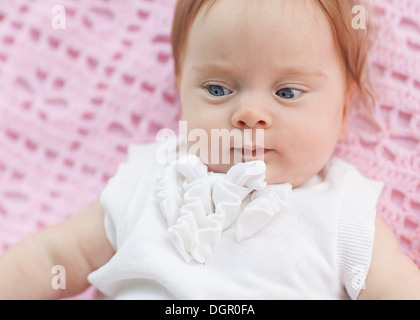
point(392, 275)
point(78, 244)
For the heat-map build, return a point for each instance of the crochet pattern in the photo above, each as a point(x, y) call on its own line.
point(72, 100)
point(389, 149)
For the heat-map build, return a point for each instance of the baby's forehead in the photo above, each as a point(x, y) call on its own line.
point(288, 29)
point(279, 20)
point(307, 11)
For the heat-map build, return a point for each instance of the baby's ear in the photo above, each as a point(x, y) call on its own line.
point(348, 100)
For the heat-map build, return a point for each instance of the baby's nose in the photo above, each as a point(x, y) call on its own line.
point(252, 116)
point(260, 124)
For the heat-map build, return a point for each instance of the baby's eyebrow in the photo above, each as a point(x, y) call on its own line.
point(292, 71)
point(285, 71)
point(211, 67)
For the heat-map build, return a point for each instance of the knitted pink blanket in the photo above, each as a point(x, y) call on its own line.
point(75, 93)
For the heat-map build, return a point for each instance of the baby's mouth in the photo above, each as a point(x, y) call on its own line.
point(253, 153)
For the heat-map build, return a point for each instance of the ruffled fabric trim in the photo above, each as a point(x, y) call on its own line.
point(199, 205)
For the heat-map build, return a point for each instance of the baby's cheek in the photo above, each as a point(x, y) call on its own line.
point(314, 148)
point(326, 146)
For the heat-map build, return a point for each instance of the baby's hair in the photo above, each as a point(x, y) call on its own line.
point(354, 44)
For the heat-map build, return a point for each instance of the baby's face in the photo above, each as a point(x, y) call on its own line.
point(270, 65)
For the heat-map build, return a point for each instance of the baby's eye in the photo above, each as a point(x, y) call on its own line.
point(218, 91)
point(289, 93)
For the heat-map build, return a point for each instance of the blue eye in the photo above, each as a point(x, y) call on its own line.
point(218, 91)
point(288, 93)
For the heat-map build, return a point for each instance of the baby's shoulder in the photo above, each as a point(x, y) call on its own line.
point(142, 160)
point(128, 188)
point(340, 170)
point(357, 188)
point(139, 168)
point(143, 152)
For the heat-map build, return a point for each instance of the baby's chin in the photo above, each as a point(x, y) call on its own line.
point(219, 168)
point(275, 175)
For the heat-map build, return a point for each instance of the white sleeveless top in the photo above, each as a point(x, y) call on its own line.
point(181, 232)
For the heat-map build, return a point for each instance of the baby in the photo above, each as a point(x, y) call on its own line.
point(286, 221)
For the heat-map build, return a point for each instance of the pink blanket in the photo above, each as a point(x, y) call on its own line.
point(73, 99)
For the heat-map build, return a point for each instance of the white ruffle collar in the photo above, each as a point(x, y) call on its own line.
point(199, 205)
